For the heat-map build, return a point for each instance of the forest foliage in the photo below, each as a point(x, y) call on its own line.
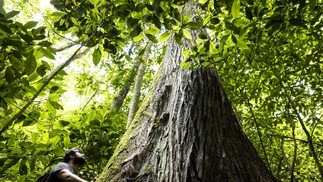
point(267, 54)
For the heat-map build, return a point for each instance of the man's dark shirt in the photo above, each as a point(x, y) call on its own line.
point(62, 165)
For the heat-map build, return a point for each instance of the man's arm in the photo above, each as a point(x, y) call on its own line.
point(67, 176)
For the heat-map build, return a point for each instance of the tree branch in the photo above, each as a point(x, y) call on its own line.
point(258, 131)
point(46, 82)
point(297, 139)
point(65, 47)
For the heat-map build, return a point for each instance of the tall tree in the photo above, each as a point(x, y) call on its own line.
point(267, 55)
point(186, 130)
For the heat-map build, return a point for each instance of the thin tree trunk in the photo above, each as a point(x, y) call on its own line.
point(286, 158)
point(292, 125)
point(259, 132)
point(136, 95)
point(123, 92)
point(89, 100)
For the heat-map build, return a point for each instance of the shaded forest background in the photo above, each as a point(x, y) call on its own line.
point(71, 75)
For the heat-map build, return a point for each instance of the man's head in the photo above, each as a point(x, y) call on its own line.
point(76, 155)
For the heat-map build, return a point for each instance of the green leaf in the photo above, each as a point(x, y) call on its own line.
point(30, 64)
point(156, 21)
point(186, 19)
point(64, 122)
point(30, 24)
point(34, 115)
point(176, 14)
point(165, 36)
point(54, 141)
point(10, 164)
point(56, 105)
point(54, 89)
point(248, 13)
point(41, 70)
point(187, 34)
point(45, 43)
point(9, 100)
point(95, 122)
point(152, 30)
point(194, 25)
point(5, 28)
point(213, 49)
point(58, 151)
point(9, 75)
point(139, 37)
point(33, 77)
point(32, 163)
point(74, 21)
point(94, 2)
point(136, 31)
point(264, 3)
point(96, 56)
point(169, 23)
point(236, 9)
point(203, 1)
point(66, 141)
point(16, 63)
point(62, 73)
point(234, 39)
point(152, 38)
point(241, 44)
point(23, 167)
point(26, 37)
point(203, 36)
point(244, 32)
point(11, 14)
point(48, 53)
point(215, 21)
point(178, 38)
point(186, 53)
point(28, 122)
point(57, 16)
point(131, 22)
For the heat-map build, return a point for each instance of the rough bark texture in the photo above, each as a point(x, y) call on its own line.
point(185, 130)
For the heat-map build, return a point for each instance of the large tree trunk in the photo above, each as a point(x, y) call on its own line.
point(185, 130)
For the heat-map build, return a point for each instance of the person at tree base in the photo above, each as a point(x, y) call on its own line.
point(67, 170)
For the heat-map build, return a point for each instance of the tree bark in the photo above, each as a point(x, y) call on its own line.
point(185, 130)
point(137, 88)
point(123, 92)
